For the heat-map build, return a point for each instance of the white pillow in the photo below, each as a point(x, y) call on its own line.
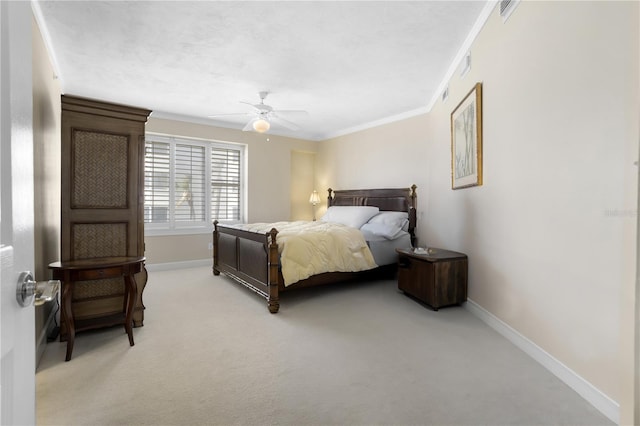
point(354, 216)
point(396, 219)
point(390, 232)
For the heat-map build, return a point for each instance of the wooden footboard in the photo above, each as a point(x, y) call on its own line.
point(250, 258)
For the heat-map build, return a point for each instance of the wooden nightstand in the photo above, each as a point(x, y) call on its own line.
point(434, 276)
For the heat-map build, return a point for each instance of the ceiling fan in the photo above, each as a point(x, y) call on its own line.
point(264, 115)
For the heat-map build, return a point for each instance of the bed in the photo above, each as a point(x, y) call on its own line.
point(253, 258)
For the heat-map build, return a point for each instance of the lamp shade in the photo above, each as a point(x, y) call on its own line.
point(314, 198)
point(261, 125)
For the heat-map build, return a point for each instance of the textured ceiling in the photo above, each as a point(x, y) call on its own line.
point(349, 64)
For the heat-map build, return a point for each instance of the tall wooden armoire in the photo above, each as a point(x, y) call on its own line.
point(102, 198)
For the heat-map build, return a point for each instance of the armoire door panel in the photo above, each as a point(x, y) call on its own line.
point(101, 240)
point(100, 170)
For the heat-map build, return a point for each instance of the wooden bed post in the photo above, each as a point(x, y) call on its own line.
point(215, 247)
point(330, 198)
point(412, 214)
point(273, 264)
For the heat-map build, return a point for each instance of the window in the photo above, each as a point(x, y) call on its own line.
point(188, 183)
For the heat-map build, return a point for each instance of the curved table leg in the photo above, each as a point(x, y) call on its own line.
point(67, 294)
point(132, 291)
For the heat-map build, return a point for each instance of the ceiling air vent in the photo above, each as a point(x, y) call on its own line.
point(507, 7)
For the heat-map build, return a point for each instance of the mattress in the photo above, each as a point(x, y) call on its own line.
point(384, 250)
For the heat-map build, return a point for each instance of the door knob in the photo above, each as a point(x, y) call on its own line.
point(29, 290)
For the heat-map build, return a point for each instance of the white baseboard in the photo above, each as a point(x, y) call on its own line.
point(593, 395)
point(179, 265)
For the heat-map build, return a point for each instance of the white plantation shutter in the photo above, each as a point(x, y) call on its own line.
point(190, 183)
point(225, 184)
point(157, 170)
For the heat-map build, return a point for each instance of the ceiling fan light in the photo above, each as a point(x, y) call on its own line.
point(261, 125)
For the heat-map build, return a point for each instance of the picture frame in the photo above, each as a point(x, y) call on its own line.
point(466, 140)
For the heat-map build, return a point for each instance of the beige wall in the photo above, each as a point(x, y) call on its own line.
point(551, 233)
point(269, 177)
point(391, 156)
point(46, 153)
point(302, 181)
point(46, 157)
point(177, 248)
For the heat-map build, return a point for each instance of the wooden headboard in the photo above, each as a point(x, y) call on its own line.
point(395, 199)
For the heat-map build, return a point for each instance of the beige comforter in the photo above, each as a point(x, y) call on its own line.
point(310, 248)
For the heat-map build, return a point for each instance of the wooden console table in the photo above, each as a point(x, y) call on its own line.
point(95, 269)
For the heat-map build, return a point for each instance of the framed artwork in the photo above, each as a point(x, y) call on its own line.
point(466, 140)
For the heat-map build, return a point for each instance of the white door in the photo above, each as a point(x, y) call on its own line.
point(17, 373)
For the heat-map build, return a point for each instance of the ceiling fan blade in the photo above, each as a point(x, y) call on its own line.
point(249, 126)
point(266, 112)
point(254, 106)
point(284, 123)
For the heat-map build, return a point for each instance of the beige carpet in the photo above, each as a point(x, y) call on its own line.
point(357, 354)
